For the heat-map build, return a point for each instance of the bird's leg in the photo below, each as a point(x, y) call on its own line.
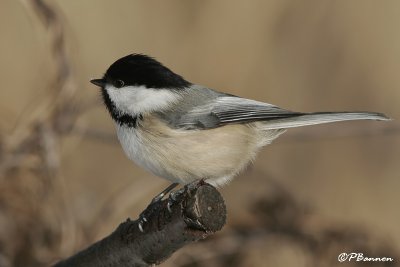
point(142, 217)
point(160, 196)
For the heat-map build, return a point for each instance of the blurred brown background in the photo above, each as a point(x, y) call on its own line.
point(65, 181)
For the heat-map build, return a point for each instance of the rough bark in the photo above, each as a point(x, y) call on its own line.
point(196, 212)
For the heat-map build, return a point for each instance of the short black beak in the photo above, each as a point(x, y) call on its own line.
point(99, 82)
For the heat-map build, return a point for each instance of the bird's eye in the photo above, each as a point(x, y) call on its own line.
point(119, 83)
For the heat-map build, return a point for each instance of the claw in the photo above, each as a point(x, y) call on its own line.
point(142, 217)
point(169, 204)
point(171, 200)
point(172, 195)
point(142, 220)
point(140, 226)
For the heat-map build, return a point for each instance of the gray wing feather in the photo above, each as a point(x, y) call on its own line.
point(235, 109)
point(203, 108)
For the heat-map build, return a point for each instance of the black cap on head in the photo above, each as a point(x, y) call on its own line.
point(141, 70)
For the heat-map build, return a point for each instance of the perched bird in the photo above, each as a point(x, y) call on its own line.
point(185, 132)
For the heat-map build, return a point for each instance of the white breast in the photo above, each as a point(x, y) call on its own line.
point(137, 150)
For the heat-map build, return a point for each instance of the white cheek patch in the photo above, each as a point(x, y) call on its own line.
point(139, 99)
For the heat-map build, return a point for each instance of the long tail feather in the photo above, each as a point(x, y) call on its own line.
point(321, 117)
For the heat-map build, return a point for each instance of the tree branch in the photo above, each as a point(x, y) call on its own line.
point(196, 212)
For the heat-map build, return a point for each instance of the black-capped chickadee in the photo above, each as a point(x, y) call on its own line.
point(185, 132)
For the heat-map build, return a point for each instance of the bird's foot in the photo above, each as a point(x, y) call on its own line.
point(172, 198)
point(150, 209)
point(143, 217)
point(173, 195)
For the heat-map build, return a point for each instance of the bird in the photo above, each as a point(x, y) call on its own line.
point(185, 132)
